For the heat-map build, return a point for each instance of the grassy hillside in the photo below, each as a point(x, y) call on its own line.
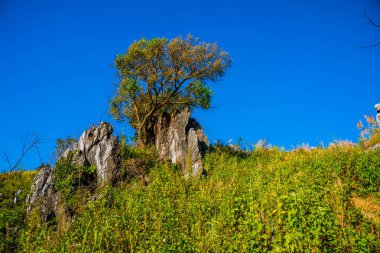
point(267, 200)
point(12, 213)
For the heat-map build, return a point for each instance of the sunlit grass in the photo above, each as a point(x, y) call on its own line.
point(266, 200)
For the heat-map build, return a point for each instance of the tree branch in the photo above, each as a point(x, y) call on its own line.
point(371, 45)
point(371, 20)
point(29, 142)
point(5, 157)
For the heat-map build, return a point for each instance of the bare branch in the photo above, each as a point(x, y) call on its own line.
point(29, 142)
point(371, 20)
point(371, 45)
point(39, 154)
point(5, 157)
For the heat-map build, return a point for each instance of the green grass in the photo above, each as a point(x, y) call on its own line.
point(12, 215)
point(263, 201)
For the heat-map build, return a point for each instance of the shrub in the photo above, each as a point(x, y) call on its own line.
point(74, 182)
point(136, 161)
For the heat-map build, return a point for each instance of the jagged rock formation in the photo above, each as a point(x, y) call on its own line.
point(178, 138)
point(377, 107)
point(181, 140)
point(96, 147)
point(42, 190)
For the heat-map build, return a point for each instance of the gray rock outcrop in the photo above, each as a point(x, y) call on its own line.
point(377, 107)
point(96, 147)
point(43, 192)
point(180, 139)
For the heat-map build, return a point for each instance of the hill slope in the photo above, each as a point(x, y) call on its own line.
point(266, 200)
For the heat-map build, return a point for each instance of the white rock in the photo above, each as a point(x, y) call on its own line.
point(181, 140)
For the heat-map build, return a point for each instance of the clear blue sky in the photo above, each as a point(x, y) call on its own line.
point(298, 75)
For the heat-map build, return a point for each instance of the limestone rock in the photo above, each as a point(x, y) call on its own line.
point(42, 190)
point(98, 147)
point(181, 140)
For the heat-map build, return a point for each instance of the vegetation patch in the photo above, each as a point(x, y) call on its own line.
point(260, 201)
point(74, 183)
point(14, 187)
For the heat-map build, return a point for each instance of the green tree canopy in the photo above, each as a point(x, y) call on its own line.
point(159, 76)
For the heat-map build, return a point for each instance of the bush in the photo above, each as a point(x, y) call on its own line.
point(74, 183)
point(136, 161)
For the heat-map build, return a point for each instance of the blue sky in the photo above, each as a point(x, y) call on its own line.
point(298, 74)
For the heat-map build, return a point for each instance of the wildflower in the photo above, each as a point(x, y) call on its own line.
point(360, 125)
point(370, 120)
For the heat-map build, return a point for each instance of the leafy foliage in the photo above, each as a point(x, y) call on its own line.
point(136, 161)
point(12, 213)
point(158, 76)
point(70, 179)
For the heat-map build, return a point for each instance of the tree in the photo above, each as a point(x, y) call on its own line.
point(159, 76)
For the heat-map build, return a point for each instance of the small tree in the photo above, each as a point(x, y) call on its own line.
point(159, 76)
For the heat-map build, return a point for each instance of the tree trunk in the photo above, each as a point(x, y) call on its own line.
point(140, 139)
point(146, 134)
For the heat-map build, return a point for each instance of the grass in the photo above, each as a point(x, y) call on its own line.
point(12, 214)
point(267, 200)
point(262, 201)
